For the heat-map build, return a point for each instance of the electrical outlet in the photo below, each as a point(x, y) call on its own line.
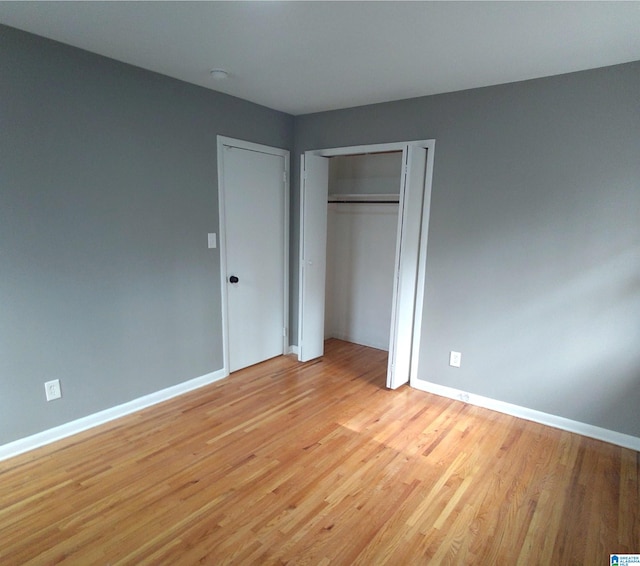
point(455, 358)
point(52, 389)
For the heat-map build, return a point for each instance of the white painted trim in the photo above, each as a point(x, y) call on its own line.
point(611, 436)
point(293, 349)
point(365, 149)
point(90, 421)
point(301, 228)
point(223, 141)
point(287, 244)
point(222, 228)
point(251, 146)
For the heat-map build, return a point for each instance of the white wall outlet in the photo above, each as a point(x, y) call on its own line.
point(52, 389)
point(212, 240)
point(455, 358)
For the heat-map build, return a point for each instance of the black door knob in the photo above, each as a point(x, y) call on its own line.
point(233, 279)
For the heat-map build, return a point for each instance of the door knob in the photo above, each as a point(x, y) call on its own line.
point(233, 279)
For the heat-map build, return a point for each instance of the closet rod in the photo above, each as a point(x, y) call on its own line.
point(364, 198)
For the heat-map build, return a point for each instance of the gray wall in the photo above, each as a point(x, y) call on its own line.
point(534, 244)
point(108, 187)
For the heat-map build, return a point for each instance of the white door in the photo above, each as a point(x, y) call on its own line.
point(406, 271)
point(313, 255)
point(253, 198)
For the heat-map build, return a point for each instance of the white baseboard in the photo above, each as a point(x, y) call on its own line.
point(613, 437)
point(68, 429)
point(293, 349)
point(357, 340)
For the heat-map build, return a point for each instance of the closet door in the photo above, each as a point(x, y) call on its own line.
point(406, 271)
point(313, 255)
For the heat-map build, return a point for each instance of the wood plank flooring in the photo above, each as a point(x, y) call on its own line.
point(317, 463)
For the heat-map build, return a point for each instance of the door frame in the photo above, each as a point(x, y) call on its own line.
point(222, 142)
point(423, 232)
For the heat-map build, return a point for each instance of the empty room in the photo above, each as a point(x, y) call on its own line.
point(427, 352)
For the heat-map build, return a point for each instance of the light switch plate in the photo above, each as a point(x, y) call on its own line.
point(213, 242)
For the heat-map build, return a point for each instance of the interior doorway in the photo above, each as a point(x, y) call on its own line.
point(414, 199)
point(362, 227)
point(254, 238)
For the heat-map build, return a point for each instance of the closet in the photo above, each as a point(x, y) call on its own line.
point(362, 235)
point(368, 182)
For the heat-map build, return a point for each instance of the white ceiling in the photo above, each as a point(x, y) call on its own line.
point(302, 57)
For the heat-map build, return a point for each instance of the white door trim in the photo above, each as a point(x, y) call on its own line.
point(223, 141)
point(429, 145)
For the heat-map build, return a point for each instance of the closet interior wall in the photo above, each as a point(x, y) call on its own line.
point(361, 247)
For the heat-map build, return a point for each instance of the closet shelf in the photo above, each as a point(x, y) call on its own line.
point(365, 199)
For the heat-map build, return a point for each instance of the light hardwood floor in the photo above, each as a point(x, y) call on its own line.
point(317, 463)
